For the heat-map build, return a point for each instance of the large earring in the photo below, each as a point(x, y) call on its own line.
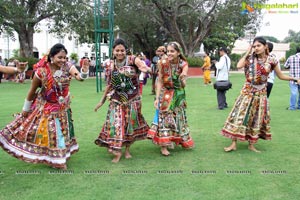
point(51, 61)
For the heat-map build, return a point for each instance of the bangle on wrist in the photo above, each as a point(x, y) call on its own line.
point(27, 105)
point(84, 75)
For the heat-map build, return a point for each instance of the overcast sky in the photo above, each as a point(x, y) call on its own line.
point(278, 24)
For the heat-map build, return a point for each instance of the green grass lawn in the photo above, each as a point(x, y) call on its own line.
point(205, 172)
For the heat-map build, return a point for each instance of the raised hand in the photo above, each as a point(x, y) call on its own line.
point(85, 65)
point(21, 66)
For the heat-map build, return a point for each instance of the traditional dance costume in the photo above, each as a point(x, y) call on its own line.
point(46, 135)
point(249, 118)
point(170, 124)
point(124, 122)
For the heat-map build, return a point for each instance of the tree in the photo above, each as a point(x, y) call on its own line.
point(293, 36)
point(294, 39)
point(271, 39)
point(189, 22)
point(24, 17)
point(136, 27)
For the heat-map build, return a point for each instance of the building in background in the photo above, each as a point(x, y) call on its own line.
point(43, 40)
point(279, 49)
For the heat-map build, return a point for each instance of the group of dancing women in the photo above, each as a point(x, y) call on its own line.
point(44, 133)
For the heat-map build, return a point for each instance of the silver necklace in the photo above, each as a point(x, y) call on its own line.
point(120, 64)
point(57, 77)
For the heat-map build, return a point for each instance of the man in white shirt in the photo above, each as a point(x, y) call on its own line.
point(223, 67)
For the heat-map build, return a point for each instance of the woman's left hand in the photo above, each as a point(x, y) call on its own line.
point(183, 78)
point(85, 65)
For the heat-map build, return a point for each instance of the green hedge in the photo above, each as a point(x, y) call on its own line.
point(31, 61)
point(234, 60)
point(195, 61)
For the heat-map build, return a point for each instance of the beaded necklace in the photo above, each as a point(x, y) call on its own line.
point(261, 61)
point(57, 76)
point(122, 77)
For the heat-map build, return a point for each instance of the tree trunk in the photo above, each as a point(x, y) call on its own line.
point(26, 41)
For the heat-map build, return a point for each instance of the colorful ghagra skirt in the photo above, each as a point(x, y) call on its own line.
point(123, 126)
point(171, 124)
point(45, 136)
point(249, 118)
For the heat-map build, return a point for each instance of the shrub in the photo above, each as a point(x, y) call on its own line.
point(31, 61)
point(74, 56)
point(234, 60)
point(195, 61)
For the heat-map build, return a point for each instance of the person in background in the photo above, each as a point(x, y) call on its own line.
point(81, 62)
point(44, 131)
point(223, 67)
point(249, 119)
point(213, 66)
point(272, 74)
point(148, 63)
point(142, 74)
point(160, 53)
point(170, 100)
point(104, 65)
point(206, 70)
point(11, 64)
point(20, 77)
point(124, 123)
point(2, 64)
point(293, 63)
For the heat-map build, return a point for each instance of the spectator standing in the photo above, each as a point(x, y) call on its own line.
point(206, 70)
point(223, 67)
point(293, 63)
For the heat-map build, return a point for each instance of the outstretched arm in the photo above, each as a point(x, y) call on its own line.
point(20, 67)
point(84, 72)
point(283, 76)
point(8, 70)
point(142, 66)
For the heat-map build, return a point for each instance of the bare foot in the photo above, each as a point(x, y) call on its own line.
point(117, 157)
point(164, 151)
point(252, 148)
point(232, 147)
point(127, 155)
